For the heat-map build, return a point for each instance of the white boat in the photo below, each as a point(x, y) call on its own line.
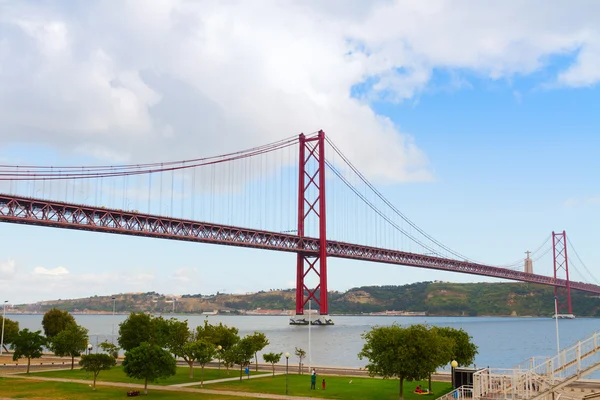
point(563, 316)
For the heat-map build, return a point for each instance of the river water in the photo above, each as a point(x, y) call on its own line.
point(503, 342)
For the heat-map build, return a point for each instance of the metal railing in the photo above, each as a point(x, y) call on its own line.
point(463, 392)
point(537, 376)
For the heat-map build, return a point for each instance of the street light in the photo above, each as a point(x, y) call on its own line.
point(219, 348)
point(453, 364)
point(556, 319)
point(3, 318)
point(287, 359)
point(90, 348)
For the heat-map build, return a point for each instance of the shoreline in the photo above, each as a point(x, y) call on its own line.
point(109, 313)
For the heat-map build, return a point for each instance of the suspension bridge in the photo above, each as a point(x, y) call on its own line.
point(271, 197)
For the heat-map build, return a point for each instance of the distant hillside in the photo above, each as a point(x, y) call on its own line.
point(434, 298)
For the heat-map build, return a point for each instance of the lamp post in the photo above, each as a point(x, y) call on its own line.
point(287, 359)
point(556, 318)
point(3, 318)
point(309, 324)
point(453, 364)
point(114, 299)
point(219, 348)
point(90, 348)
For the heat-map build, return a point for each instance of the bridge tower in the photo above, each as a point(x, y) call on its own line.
point(311, 209)
point(561, 267)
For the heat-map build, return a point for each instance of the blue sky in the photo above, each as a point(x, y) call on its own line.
point(483, 134)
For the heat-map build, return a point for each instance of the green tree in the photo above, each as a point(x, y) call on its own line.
point(56, 320)
point(203, 352)
point(405, 353)
point(242, 353)
point(11, 329)
point(70, 342)
point(179, 335)
point(228, 356)
point(259, 341)
point(27, 344)
point(185, 344)
point(95, 363)
point(463, 350)
point(141, 327)
point(149, 362)
point(301, 354)
point(110, 349)
point(220, 335)
point(272, 358)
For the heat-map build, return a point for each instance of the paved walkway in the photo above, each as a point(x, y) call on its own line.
point(172, 388)
point(236, 378)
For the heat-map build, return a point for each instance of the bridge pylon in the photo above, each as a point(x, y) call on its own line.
point(311, 210)
point(561, 271)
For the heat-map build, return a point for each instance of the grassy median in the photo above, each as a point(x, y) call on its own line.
point(116, 374)
point(30, 388)
point(336, 387)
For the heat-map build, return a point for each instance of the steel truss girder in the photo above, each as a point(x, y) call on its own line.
point(29, 211)
point(72, 216)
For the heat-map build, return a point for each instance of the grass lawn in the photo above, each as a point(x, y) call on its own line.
point(337, 387)
point(29, 388)
point(116, 374)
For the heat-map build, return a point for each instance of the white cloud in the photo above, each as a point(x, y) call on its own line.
point(184, 275)
point(54, 283)
point(170, 78)
point(582, 201)
point(58, 271)
point(8, 269)
point(585, 71)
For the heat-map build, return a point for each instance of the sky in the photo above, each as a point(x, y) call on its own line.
point(478, 120)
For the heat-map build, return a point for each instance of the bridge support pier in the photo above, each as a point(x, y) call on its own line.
point(311, 209)
point(561, 267)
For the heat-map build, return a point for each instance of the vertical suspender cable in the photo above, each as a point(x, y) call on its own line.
point(182, 191)
point(160, 210)
point(149, 191)
point(172, 189)
point(193, 192)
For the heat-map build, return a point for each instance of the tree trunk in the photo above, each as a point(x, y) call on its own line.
point(401, 395)
point(28, 363)
point(95, 376)
point(191, 364)
point(146, 386)
point(202, 376)
point(273, 365)
point(429, 383)
point(72, 362)
point(240, 372)
point(256, 359)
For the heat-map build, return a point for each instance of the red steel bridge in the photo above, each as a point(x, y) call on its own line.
point(303, 183)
